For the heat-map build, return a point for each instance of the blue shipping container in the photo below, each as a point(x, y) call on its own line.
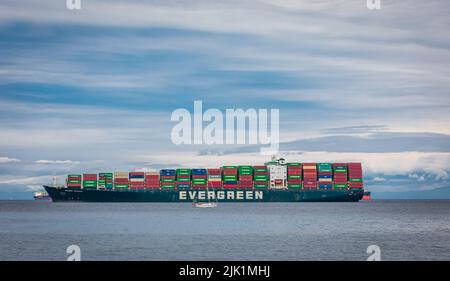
point(167, 172)
point(136, 176)
point(199, 171)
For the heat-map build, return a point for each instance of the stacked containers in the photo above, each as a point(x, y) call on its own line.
point(151, 180)
point(183, 178)
point(199, 178)
point(325, 172)
point(309, 175)
point(215, 178)
point(230, 176)
point(294, 175)
point(137, 180)
point(277, 176)
point(121, 180)
point(245, 176)
point(74, 181)
point(355, 175)
point(260, 177)
point(167, 178)
point(90, 181)
point(340, 176)
point(105, 180)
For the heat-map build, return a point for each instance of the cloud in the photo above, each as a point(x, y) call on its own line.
point(8, 160)
point(356, 129)
point(57, 162)
point(381, 142)
point(378, 179)
point(21, 180)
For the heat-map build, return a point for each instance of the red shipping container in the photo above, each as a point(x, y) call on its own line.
point(355, 184)
point(89, 176)
point(215, 184)
point(167, 177)
point(245, 184)
point(121, 180)
point(214, 171)
point(294, 181)
point(152, 186)
point(136, 173)
point(227, 185)
point(152, 181)
point(245, 177)
point(199, 176)
point(199, 186)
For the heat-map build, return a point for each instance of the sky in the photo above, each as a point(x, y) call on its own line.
point(93, 90)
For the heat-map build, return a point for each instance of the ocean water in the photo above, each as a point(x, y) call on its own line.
point(403, 230)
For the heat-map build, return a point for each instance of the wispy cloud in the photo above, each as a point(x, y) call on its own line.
point(8, 160)
point(57, 162)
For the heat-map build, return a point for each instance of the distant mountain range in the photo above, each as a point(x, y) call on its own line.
point(440, 193)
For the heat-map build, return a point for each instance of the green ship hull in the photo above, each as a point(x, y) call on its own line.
point(64, 194)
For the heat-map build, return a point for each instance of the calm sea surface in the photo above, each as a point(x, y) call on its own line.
point(404, 230)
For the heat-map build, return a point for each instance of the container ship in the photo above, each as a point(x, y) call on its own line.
point(275, 181)
point(41, 195)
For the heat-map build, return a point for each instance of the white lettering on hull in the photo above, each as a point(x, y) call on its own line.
point(184, 195)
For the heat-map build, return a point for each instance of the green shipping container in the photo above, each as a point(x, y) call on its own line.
point(121, 186)
point(293, 164)
point(355, 180)
point(199, 180)
point(167, 186)
point(294, 176)
point(167, 180)
point(260, 170)
point(184, 180)
point(340, 186)
point(74, 181)
point(294, 186)
point(74, 176)
point(260, 186)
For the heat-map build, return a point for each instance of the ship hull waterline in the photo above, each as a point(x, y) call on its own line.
point(64, 194)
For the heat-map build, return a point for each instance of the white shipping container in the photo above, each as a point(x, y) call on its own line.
point(136, 180)
point(277, 172)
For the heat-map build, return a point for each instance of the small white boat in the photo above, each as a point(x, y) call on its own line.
point(204, 204)
point(208, 204)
